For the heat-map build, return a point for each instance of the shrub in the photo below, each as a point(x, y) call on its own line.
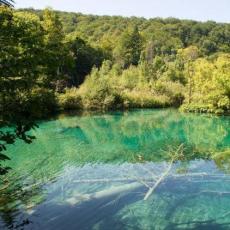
point(70, 100)
point(143, 99)
point(37, 103)
point(43, 102)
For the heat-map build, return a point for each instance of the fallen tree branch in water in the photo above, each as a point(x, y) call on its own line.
point(155, 179)
point(163, 176)
point(175, 156)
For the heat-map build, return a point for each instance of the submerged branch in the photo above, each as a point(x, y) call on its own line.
point(163, 176)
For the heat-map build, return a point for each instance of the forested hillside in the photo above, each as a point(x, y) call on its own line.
point(165, 35)
point(179, 60)
point(73, 61)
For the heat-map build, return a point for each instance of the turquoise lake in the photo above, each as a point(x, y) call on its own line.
point(94, 171)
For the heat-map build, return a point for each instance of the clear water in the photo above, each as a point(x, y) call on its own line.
point(92, 171)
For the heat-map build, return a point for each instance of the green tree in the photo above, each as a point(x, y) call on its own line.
point(129, 49)
point(208, 47)
point(54, 49)
point(23, 95)
point(85, 57)
point(188, 56)
point(211, 91)
point(18, 74)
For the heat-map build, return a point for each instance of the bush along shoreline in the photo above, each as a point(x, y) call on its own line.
point(109, 87)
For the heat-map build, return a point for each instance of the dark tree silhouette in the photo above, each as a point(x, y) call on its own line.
point(9, 3)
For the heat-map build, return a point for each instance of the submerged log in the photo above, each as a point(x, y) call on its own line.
point(104, 193)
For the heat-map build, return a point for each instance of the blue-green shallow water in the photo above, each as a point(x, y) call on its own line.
point(91, 171)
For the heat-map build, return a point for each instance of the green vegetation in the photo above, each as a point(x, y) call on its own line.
point(200, 85)
point(30, 60)
point(147, 63)
point(65, 61)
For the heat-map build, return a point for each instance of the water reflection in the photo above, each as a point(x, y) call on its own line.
point(48, 187)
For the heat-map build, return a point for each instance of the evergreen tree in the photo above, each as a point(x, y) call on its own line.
point(129, 50)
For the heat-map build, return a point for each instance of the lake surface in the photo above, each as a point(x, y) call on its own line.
point(93, 171)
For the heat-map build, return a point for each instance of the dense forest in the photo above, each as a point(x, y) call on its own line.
point(135, 62)
point(62, 60)
point(52, 61)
